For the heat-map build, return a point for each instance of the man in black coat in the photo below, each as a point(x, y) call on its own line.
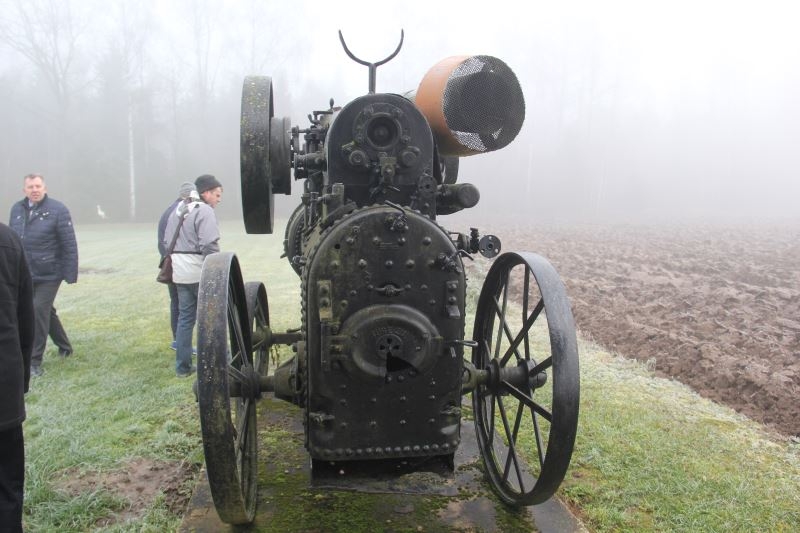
point(16, 341)
point(48, 237)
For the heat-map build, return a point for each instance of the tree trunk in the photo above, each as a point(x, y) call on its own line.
point(131, 163)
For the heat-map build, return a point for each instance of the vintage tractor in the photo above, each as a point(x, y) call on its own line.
point(380, 367)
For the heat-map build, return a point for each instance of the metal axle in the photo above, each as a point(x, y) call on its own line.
point(520, 376)
point(248, 382)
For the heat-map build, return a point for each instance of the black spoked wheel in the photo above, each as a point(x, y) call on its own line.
point(227, 389)
point(258, 319)
point(526, 408)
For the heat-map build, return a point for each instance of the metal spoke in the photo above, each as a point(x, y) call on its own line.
point(236, 374)
point(239, 443)
point(541, 367)
point(537, 433)
point(243, 422)
point(491, 419)
point(502, 327)
point(527, 400)
point(236, 358)
point(234, 324)
point(260, 322)
point(517, 422)
point(523, 334)
point(512, 450)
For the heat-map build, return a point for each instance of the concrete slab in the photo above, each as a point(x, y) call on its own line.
point(350, 497)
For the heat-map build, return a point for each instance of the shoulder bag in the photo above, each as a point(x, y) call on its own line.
point(165, 265)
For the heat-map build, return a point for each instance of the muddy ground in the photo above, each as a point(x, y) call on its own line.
point(138, 482)
point(716, 307)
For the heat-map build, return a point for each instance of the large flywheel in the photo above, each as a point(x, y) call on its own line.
point(227, 387)
point(526, 406)
point(265, 155)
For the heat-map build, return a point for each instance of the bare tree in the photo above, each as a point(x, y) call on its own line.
point(128, 40)
point(47, 33)
point(205, 16)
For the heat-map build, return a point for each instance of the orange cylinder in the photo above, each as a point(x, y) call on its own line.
point(474, 104)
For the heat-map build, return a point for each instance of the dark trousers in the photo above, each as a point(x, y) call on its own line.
point(47, 321)
point(173, 308)
point(12, 479)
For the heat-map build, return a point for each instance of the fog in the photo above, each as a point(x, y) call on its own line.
point(635, 111)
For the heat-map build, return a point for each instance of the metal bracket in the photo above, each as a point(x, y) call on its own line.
point(373, 67)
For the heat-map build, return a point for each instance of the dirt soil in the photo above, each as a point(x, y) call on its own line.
point(139, 482)
point(717, 308)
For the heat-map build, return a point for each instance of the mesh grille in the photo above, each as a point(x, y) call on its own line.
point(483, 104)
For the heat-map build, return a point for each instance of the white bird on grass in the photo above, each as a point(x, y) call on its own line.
point(100, 212)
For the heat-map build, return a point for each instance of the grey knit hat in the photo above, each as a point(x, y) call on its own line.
point(206, 182)
point(186, 189)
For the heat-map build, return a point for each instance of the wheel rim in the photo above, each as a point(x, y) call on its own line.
point(526, 430)
point(280, 155)
point(228, 424)
point(258, 319)
point(258, 200)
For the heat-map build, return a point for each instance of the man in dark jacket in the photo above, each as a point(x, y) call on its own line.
point(45, 227)
point(16, 341)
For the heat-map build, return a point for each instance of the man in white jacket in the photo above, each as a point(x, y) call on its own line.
point(198, 237)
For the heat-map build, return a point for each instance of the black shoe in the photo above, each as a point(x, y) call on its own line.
point(186, 374)
point(62, 353)
point(36, 370)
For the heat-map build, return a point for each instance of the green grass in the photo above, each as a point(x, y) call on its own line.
point(117, 398)
point(650, 455)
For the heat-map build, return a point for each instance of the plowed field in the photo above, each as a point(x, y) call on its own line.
point(717, 308)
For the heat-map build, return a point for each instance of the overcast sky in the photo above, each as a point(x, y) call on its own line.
point(633, 108)
point(707, 91)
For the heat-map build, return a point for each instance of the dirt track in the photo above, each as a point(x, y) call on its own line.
point(717, 308)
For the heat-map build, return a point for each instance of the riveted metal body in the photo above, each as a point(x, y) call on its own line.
point(384, 309)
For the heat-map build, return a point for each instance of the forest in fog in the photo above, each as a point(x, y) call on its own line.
point(634, 111)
